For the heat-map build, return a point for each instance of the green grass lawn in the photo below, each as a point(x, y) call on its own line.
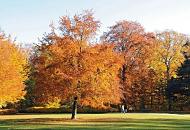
point(116, 121)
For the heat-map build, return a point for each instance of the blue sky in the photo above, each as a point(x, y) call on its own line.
point(29, 19)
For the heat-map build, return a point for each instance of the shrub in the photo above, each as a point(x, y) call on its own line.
point(54, 104)
point(96, 110)
point(45, 110)
point(8, 111)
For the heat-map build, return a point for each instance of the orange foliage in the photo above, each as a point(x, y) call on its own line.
point(70, 66)
point(135, 46)
point(12, 61)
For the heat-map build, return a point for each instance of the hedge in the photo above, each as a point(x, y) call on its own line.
point(66, 110)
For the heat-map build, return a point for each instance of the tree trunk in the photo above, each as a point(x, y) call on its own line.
point(123, 71)
point(151, 102)
point(168, 92)
point(122, 81)
point(142, 104)
point(169, 103)
point(74, 108)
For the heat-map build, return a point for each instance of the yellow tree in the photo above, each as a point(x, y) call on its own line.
point(12, 62)
point(169, 55)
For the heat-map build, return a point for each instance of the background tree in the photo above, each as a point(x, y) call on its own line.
point(12, 72)
point(168, 56)
point(179, 88)
point(134, 45)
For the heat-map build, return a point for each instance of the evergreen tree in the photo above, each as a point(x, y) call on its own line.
point(179, 88)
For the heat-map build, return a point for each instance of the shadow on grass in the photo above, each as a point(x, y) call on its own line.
point(93, 124)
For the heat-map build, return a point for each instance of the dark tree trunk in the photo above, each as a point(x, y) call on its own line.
point(170, 97)
point(168, 91)
point(142, 104)
point(123, 71)
point(74, 108)
point(151, 102)
point(169, 103)
point(122, 81)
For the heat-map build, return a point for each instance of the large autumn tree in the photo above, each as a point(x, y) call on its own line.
point(12, 64)
point(68, 65)
point(135, 47)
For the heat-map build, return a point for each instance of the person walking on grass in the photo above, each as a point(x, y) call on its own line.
point(122, 109)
